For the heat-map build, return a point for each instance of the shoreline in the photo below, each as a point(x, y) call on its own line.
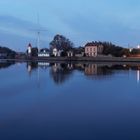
point(78, 59)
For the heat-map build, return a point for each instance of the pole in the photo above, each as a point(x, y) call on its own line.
point(38, 41)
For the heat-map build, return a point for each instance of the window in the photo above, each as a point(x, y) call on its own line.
point(91, 49)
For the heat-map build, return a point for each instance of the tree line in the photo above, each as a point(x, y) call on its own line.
point(62, 43)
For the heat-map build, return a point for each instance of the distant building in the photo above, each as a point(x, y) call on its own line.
point(70, 53)
point(44, 53)
point(93, 50)
point(57, 52)
point(79, 52)
point(29, 51)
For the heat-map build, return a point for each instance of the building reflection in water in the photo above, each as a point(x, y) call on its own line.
point(97, 70)
point(138, 76)
point(43, 65)
point(91, 69)
point(61, 72)
point(31, 66)
point(137, 69)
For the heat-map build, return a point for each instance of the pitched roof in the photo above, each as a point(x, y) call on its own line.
point(29, 45)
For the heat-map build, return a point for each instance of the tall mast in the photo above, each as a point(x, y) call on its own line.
point(38, 33)
point(38, 40)
point(38, 30)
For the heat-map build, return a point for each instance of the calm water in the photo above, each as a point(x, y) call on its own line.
point(42, 101)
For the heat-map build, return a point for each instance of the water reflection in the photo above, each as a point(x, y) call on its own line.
point(61, 72)
point(31, 66)
point(83, 107)
point(97, 70)
point(6, 64)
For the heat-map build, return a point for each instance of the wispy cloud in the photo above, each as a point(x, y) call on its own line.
point(16, 32)
point(18, 26)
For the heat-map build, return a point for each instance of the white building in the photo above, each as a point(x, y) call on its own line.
point(70, 53)
point(29, 51)
point(55, 52)
point(44, 53)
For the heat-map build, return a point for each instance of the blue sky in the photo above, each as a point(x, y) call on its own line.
point(79, 20)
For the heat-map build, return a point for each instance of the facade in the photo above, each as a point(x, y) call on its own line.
point(44, 53)
point(29, 51)
point(70, 54)
point(93, 50)
point(79, 54)
point(57, 52)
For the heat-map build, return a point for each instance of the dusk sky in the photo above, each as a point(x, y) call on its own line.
point(79, 20)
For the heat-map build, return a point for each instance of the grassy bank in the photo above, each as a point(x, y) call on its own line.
point(89, 59)
point(81, 59)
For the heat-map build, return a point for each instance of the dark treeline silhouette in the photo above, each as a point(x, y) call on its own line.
point(6, 64)
point(7, 53)
point(135, 51)
point(61, 43)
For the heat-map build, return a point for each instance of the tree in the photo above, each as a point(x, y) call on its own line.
point(61, 43)
point(9, 53)
point(135, 51)
point(35, 52)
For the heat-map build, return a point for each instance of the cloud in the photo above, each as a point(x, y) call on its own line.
point(101, 28)
point(18, 26)
point(15, 32)
point(80, 20)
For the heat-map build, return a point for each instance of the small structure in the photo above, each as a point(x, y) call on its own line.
point(57, 52)
point(44, 53)
point(60, 53)
point(29, 51)
point(79, 52)
point(70, 53)
point(93, 50)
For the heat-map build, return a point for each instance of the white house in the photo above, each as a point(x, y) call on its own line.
point(70, 53)
point(29, 51)
point(44, 53)
point(55, 51)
